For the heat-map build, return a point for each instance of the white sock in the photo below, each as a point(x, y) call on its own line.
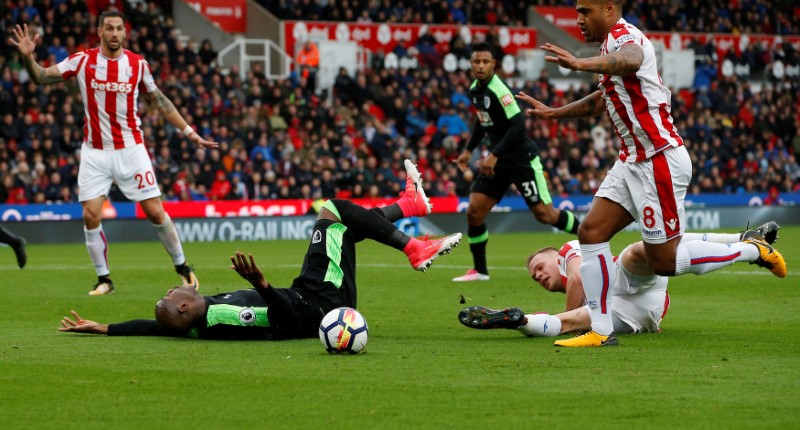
point(700, 257)
point(541, 325)
point(597, 273)
point(711, 237)
point(97, 246)
point(169, 237)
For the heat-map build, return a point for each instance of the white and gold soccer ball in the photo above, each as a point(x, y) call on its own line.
point(343, 330)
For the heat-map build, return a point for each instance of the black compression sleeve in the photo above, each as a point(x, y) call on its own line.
point(135, 328)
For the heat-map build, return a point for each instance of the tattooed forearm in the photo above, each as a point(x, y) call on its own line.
point(34, 69)
point(163, 104)
point(590, 105)
point(620, 63)
point(39, 75)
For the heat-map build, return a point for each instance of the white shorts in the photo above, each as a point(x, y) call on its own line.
point(130, 168)
point(653, 191)
point(638, 303)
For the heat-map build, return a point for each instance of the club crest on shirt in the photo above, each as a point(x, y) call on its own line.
point(317, 238)
point(486, 102)
point(247, 316)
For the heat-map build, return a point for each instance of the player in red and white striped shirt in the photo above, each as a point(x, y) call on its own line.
point(111, 79)
point(640, 296)
point(648, 183)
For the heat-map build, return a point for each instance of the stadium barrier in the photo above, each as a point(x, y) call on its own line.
point(270, 227)
point(299, 207)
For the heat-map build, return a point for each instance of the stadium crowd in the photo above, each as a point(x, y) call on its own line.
point(704, 16)
point(279, 140)
point(715, 16)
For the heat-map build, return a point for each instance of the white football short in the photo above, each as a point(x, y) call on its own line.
point(129, 167)
point(638, 303)
point(653, 191)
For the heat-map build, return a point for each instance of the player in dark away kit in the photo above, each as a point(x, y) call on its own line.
point(513, 159)
point(326, 280)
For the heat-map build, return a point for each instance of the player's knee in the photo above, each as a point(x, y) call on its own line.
point(91, 219)
point(663, 267)
point(587, 235)
point(475, 216)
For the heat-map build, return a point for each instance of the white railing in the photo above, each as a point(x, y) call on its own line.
point(240, 47)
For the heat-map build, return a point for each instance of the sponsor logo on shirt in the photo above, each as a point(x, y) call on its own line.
point(651, 233)
point(114, 87)
point(623, 40)
point(507, 99)
point(485, 119)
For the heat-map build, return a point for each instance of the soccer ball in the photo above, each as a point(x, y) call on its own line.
point(343, 330)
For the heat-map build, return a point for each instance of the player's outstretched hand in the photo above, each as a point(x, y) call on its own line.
point(22, 40)
point(246, 267)
point(537, 108)
point(563, 58)
point(196, 138)
point(80, 325)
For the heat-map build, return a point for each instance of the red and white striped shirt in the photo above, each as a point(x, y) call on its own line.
point(567, 252)
point(638, 104)
point(110, 89)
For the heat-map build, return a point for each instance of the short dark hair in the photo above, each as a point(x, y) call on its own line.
point(483, 47)
point(545, 249)
point(170, 320)
point(109, 13)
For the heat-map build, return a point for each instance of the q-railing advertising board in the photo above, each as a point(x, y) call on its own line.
point(301, 207)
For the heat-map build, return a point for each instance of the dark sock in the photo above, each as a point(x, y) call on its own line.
point(180, 268)
point(478, 237)
point(369, 224)
point(8, 238)
point(392, 212)
point(567, 222)
point(104, 278)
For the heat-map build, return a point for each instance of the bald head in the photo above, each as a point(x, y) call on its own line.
point(180, 310)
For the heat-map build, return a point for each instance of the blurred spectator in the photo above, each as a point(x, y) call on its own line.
point(220, 188)
point(308, 61)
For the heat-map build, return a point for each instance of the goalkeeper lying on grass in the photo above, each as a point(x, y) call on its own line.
point(326, 280)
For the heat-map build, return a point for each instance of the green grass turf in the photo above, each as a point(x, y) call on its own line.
point(728, 356)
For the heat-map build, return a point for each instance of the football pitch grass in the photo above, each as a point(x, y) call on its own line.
point(728, 356)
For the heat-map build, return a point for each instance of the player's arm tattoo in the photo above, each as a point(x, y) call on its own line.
point(623, 62)
point(162, 103)
point(39, 75)
point(590, 105)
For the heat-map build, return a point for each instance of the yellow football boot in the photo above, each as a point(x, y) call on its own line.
point(589, 338)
